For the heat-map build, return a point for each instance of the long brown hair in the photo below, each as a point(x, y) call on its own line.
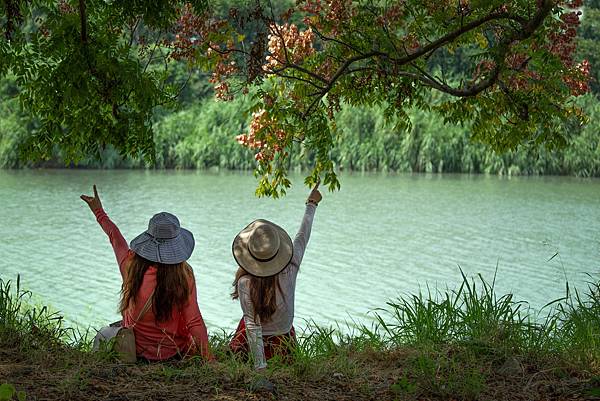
point(172, 288)
point(263, 293)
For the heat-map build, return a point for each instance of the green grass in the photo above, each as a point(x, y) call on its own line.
point(34, 327)
point(463, 343)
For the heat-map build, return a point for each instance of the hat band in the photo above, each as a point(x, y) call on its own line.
point(261, 259)
point(156, 237)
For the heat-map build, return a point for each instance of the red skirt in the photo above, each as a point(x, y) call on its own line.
point(279, 345)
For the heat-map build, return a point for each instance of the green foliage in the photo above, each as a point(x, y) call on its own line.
point(30, 328)
point(476, 317)
point(581, 321)
point(588, 44)
point(8, 392)
point(97, 76)
point(84, 79)
point(392, 56)
point(15, 126)
point(202, 136)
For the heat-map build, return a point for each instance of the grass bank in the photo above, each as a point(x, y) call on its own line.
point(469, 343)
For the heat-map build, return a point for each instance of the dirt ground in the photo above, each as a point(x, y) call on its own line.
point(374, 377)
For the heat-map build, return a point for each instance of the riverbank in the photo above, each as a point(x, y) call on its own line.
point(470, 343)
point(402, 374)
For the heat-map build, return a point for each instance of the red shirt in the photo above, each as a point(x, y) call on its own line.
point(185, 332)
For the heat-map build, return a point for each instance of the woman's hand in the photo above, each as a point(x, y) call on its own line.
point(93, 202)
point(315, 196)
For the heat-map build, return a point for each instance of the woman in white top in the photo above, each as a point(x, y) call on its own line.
point(265, 284)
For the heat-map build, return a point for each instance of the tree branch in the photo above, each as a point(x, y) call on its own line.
point(528, 28)
point(83, 20)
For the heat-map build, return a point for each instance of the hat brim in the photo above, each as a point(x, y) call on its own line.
point(256, 267)
point(171, 251)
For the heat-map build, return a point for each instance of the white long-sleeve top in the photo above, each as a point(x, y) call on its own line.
point(281, 321)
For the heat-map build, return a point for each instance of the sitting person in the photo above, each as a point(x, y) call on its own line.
point(155, 269)
point(265, 284)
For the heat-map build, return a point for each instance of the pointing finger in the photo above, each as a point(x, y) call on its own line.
point(95, 192)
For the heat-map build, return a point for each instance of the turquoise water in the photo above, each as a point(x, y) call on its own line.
point(377, 238)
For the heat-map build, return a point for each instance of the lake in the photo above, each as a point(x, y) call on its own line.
point(380, 236)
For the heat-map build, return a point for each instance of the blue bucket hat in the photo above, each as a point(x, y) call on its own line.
point(164, 241)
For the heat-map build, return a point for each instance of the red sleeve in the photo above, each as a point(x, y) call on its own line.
point(117, 241)
point(195, 323)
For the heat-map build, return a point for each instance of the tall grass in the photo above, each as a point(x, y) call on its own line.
point(475, 315)
point(580, 323)
point(28, 327)
point(472, 317)
point(438, 344)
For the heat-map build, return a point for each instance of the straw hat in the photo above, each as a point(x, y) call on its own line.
point(262, 248)
point(164, 241)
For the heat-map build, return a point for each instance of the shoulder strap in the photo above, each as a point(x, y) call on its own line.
point(146, 307)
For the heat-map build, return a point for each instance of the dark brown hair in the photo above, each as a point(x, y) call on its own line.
point(263, 293)
point(172, 287)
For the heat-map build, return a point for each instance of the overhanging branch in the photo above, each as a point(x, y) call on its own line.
point(527, 28)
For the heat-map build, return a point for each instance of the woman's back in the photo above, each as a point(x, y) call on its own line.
point(282, 319)
point(265, 284)
point(154, 270)
point(166, 339)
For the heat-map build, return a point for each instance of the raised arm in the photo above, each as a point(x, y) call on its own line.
point(253, 326)
point(120, 246)
point(303, 234)
point(195, 323)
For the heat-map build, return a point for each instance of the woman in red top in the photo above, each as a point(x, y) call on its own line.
point(154, 265)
